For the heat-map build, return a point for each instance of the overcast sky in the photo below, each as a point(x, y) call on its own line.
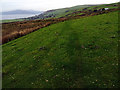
point(43, 5)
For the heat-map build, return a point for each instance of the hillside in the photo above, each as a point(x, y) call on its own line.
point(56, 13)
point(63, 12)
point(79, 53)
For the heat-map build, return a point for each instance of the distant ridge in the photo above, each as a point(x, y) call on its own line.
point(22, 12)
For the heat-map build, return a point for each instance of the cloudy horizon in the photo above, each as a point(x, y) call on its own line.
point(44, 5)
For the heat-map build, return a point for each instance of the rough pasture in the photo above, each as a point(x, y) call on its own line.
point(79, 53)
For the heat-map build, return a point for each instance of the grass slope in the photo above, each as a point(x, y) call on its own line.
point(74, 53)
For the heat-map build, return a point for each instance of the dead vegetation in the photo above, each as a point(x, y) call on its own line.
point(11, 31)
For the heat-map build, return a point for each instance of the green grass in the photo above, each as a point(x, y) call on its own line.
point(75, 53)
point(11, 20)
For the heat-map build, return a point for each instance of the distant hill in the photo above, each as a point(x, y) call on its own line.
point(70, 11)
point(56, 13)
point(22, 12)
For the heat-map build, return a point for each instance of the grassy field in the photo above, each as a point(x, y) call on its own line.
point(11, 20)
point(80, 53)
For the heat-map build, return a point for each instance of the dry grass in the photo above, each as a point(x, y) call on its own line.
point(11, 31)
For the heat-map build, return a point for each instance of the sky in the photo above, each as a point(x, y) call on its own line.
point(43, 5)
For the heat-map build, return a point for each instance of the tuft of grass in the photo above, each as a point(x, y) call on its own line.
point(80, 53)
